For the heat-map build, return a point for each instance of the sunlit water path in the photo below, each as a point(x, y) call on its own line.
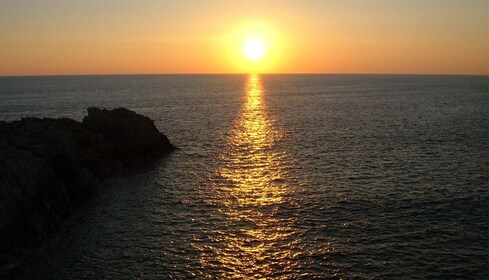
point(280, 177)
point(251, 191)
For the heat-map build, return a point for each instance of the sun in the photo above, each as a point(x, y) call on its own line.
point(254, 49)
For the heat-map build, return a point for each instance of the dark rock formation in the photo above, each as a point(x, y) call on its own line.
point(134, 137)
point(49, 165)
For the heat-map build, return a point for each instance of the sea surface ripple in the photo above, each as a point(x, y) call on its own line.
point(279, 177)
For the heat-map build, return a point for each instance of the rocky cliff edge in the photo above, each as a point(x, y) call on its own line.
point(47, 166)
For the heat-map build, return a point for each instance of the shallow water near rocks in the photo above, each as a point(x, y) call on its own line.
point(279, 176)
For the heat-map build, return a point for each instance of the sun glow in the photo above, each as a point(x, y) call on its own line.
point(254, 49)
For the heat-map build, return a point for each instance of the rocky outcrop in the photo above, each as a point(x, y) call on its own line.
point(49, 165)
point(134, 137)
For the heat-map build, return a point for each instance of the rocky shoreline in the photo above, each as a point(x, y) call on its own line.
point(48, 166)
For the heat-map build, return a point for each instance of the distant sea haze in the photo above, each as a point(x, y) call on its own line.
point(279, 177)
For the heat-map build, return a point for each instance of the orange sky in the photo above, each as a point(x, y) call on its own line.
point(58, 37)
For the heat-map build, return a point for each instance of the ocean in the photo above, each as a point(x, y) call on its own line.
point(279, 177)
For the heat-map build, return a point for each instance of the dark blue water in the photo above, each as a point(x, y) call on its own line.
point(280, 176)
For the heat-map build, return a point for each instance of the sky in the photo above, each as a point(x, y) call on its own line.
point(71, 37)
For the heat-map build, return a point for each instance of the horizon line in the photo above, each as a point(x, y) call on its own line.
point(243, 73)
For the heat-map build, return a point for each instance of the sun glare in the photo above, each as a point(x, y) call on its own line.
point(254, 49)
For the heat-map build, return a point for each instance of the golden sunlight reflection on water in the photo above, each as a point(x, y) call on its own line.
point(255, 240)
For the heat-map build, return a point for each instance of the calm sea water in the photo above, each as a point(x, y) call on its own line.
point(280, 176)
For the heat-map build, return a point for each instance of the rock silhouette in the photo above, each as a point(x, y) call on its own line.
point(48, 166)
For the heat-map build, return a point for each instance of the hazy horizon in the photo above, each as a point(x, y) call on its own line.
point(242, 73)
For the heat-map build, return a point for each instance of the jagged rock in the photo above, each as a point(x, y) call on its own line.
point(79, 157)
point(134, 136)
point(33, 200)
point(49, 165)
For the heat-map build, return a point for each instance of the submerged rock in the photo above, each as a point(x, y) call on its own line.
point(49, 165)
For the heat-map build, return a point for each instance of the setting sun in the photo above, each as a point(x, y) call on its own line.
point(254, 49)
point(254, 46)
